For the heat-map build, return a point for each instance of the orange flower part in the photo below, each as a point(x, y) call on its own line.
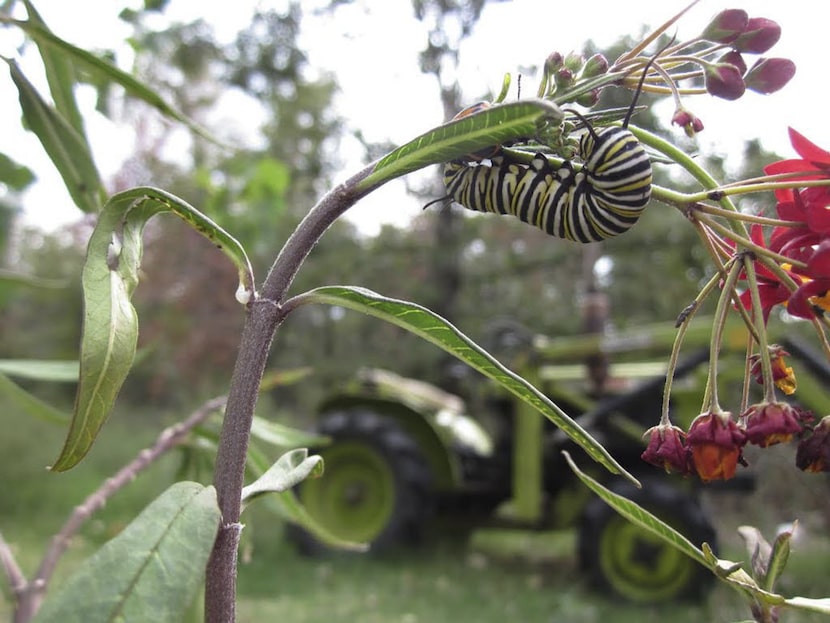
point(782, 374)
point(716, 443)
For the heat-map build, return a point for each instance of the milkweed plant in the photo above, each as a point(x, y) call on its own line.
point(556, 160)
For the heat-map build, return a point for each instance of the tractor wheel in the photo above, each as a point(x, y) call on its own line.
point(632, 563)
point(375, 488)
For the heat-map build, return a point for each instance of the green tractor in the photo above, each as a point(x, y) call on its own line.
point(403, 452)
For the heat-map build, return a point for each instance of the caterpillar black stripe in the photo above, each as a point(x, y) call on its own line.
point(603, 198)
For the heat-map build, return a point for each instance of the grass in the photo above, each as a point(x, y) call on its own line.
point(448, 582)
point(520, 577)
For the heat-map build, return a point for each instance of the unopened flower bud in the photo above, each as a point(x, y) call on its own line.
point(724, 80)
point(589, 99)
point(726, 26)
point(554, 63)
point(690, 123)
point(564, 78)
point(734, 58)
point(768, 75)
point(759, 36)
point(574, 61)
point(597, 65)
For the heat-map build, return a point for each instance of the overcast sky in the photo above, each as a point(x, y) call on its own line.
point(372, 46)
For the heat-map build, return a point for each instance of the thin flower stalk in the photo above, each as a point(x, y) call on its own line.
point(761, 335)
point(710, 399)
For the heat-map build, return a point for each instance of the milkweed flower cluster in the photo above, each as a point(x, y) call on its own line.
point(784, 265)
point(766, 264)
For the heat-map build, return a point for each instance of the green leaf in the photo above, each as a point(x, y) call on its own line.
point(15, 396)
point(283, 436)
point(41, 369)
point(493, 126)
point(110, 328)
point(778, 559)
point(813, 605)
point(435, 329)
point(641, 517)
point(289, 471)
point(151, 571)
point(287, 506)
point(67, 149)
point(13, 174)
point(106, 70)
point(60, 74)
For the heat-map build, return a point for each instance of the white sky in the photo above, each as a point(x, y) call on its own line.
point(373, 45)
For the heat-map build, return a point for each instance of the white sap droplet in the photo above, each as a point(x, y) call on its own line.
point(243, 294)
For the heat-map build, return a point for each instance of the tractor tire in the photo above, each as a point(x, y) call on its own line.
point(631, 563)
point(375, 488)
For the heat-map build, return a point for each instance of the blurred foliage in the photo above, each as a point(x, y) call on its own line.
point(477, 269)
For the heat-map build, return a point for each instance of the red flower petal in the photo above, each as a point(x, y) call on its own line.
point(809, 150)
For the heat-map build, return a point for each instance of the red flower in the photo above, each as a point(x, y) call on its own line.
point(782, 375)
point(667, 449)
point(771, 291)
point(716, 443)
point(813, 454)
point(811, 299)
point(769, 423)
point(813, 158)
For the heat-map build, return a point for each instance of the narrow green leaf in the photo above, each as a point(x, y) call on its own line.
point(283, 436)
point(67, 149)
point(12, 278)
point(15, 396)
point(110, 328)
point(60, 74)
point(813, 605)
point(41, 369)
point(151, 571)
point(435, 329)
point(289, 471)
point(778, 559)
point(494, 126)
point(641, 517)
point(103, 68)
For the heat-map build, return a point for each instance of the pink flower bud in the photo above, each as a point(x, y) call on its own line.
point(554, 62)
point(726, 26)
point(769, 74)
point(724, 80)
point(760, 35)
point(597, 65)
point(734, 58)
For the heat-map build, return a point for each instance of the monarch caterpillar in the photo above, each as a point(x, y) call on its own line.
point(601, 199)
